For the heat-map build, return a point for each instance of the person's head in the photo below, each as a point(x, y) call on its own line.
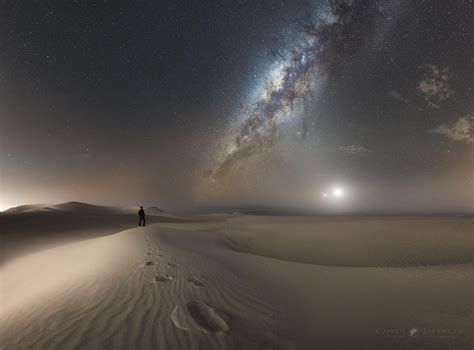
point(141, 207)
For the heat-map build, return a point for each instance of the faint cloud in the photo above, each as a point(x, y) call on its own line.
point(461, 130)
point(434, 86)
point(397, 96)
point(354, 149)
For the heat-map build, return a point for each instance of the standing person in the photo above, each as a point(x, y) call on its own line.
point(141, 217)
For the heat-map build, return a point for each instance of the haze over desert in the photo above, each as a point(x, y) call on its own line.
point(236, 174)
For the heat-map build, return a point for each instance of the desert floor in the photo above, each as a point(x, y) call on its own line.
point(81, 277)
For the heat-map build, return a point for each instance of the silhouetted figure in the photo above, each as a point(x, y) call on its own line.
point(141, 217)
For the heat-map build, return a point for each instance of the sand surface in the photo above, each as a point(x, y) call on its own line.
point(31, 228)
point(245, 282)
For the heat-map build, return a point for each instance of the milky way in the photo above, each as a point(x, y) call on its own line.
point(296, 75)
point(259, 131)
point(210, 105)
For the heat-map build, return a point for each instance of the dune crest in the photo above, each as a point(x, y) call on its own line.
point(242, 282)
point(80, 207)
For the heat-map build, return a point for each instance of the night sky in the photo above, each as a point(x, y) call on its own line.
point(319, 106)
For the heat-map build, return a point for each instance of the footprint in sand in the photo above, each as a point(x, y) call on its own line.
point(163, 278)
point(148, 263)
point(171, 265)
point(199, 316)
point(195, 282)
point(208, 318)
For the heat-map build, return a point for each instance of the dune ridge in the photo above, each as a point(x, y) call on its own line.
point(121, 306)
point(79, 207)
point(180, 285)
point(30, 228)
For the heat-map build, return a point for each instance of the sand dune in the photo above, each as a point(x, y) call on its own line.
point(107, 293)
point(30, 228)
point(245, 282)
point(356, 241)
point(78, 207)
point(25, 208)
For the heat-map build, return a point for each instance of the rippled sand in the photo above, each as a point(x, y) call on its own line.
point(247, 282)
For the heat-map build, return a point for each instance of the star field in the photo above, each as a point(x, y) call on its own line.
point(196, 105)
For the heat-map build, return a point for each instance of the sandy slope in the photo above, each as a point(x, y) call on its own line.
point(215, 284)
point(356, 241)
point(30, 228)
point(101, 293)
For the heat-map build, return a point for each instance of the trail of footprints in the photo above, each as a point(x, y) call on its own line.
point(197, 315)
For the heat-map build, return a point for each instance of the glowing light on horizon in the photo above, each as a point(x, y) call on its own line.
point(335, 193)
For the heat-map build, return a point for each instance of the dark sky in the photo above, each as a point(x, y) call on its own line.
point(324, 106)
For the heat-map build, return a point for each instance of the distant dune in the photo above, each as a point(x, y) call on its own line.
point(235, 282)
point(154, 211)
point(25, 208)
point(29, 228)
point(357, 241)
point(82, 207)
